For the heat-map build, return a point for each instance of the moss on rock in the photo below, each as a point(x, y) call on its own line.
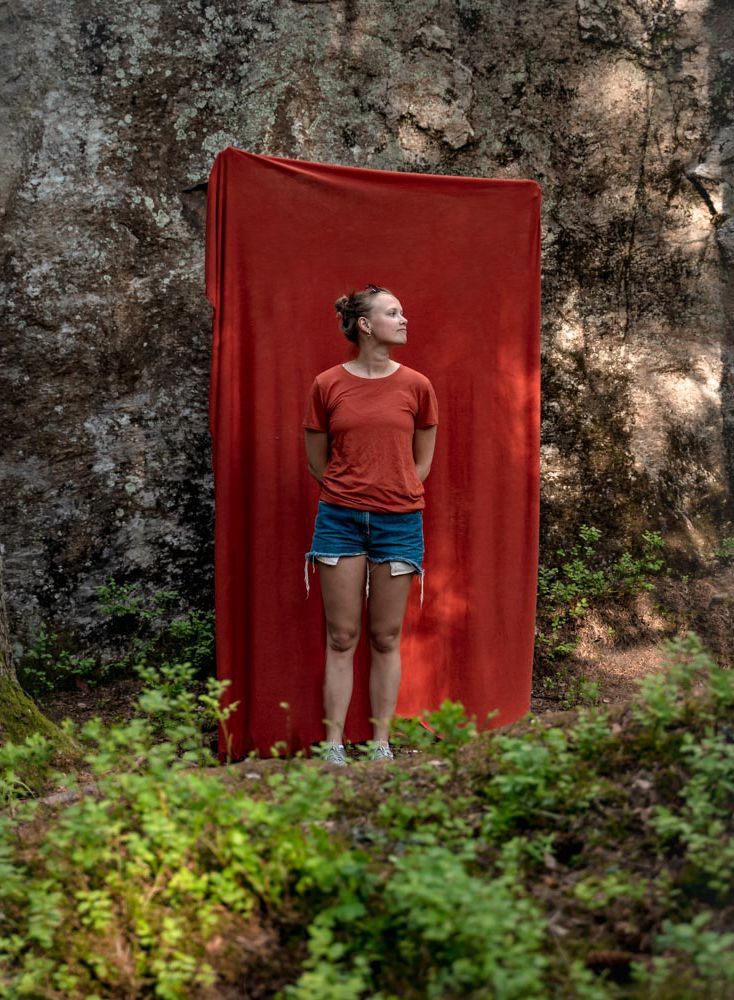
point(20, 717)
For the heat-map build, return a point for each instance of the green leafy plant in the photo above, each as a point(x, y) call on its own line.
point(446, 729)
point(629, 574)
point(47, 666)
point(151, 630)
point(22, 766)
point(580, 691)
point(579, 578)
point(702, 824)
point(450, 932)
point(597, 891)
point(156, 631)
point(491, 867)
point(537, 778)
point(591, 734)
point(725, 549)
point(430, 819)
point(669, 697)
point(696, 961)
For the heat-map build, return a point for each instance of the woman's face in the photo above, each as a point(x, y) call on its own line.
point(386, 320)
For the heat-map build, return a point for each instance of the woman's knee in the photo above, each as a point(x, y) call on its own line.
point(385, 639)
point(342, 638)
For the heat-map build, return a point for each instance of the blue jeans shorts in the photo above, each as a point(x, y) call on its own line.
point(395, 537)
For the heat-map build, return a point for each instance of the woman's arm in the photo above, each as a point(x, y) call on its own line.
point(317, 452)
point(424, 441)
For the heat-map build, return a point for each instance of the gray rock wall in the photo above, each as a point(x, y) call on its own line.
point(113, 114)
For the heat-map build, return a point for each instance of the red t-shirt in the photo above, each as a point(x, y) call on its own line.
point(370, 423)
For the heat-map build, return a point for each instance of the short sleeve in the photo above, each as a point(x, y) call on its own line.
point(315, 417)
point(427, 415)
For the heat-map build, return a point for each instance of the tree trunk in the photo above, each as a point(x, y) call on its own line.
point(19, 714)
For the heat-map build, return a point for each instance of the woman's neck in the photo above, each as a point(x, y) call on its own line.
point(374, 364)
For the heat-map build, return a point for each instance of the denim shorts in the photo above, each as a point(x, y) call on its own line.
point(395, 537)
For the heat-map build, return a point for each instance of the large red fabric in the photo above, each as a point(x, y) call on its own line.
point(284, 239)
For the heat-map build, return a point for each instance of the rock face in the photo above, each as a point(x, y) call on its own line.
point(113, 114)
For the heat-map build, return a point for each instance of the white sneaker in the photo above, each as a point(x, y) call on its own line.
point(382, 750)
point(335, 754)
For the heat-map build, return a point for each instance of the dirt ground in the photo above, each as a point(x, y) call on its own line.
point(619, 646)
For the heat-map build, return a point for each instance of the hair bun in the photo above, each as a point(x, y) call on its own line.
point(344, 305)
point(353, 306)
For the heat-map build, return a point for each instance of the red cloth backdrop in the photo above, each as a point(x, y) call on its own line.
point(284, 239)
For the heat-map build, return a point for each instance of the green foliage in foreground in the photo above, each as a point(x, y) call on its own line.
point(588, 862)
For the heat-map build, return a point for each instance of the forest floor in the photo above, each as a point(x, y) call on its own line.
point(431, 792)
point(617, 646)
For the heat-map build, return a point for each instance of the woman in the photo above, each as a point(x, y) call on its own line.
point(370, 428)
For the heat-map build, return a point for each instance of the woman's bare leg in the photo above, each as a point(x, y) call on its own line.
point(387, 602)
point(341, 589)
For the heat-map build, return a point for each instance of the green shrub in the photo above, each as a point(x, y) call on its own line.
point(696, 961)
point(725, 550)
point(581, 577)
point(598, 891)
point(47, 666)
point(130, 882)
point(436, 931)
point(149, 629)
point(702, 823)
point(443, 730)
point(23, 766)
point(668, 698)
point(431, 818)
point(156, 630)
point(536, 778)
point(509, 870)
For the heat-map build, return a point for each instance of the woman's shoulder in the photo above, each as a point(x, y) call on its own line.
point(417, 377)
point(328, 374)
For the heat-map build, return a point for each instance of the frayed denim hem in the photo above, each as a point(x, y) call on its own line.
point(421, 573)
point(314, 555)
